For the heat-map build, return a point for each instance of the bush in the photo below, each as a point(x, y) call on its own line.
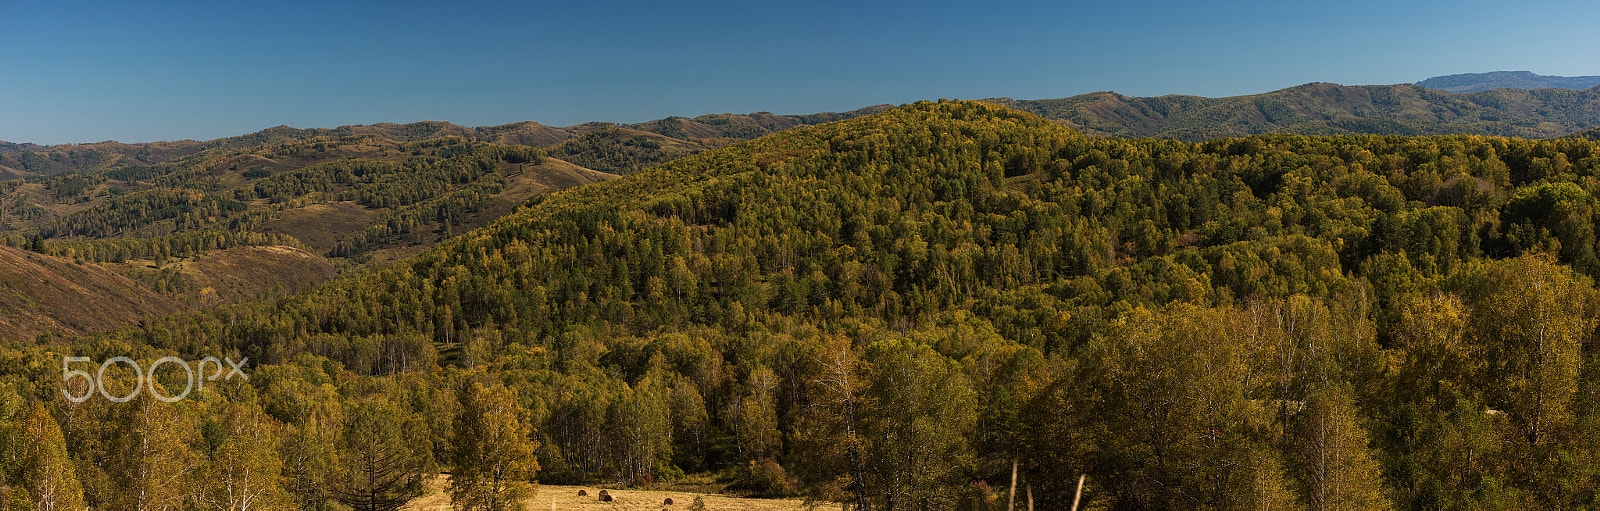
point(765, 478)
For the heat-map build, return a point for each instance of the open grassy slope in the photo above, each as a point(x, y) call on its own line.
point(58, 295)
point(44, 294)
point(242, 274)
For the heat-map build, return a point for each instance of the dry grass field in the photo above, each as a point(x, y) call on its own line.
point(566, 498)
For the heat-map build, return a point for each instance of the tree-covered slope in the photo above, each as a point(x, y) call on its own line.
point(621, 149)
point(1328, 109)
point(892, 309)
point(389, 194)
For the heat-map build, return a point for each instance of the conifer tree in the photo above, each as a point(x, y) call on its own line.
point(378, 469)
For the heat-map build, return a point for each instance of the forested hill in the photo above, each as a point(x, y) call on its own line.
point(889, 310)
point(274, 219)
point(167, 214)
point(1328, 109)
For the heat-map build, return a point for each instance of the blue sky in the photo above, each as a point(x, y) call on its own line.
point(77, 71)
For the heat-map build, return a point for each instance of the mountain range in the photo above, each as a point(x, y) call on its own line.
point(675, 136)
point(1552, 109)
point(1327, 109)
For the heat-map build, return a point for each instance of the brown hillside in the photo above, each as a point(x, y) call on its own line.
point(232, 275)
point(554, 174)
point(43, 294)
point(321, 224)
point(245, 273)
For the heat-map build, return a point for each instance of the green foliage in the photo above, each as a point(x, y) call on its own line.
point(157, 210)
point(884, 310)
point(1340, 472)
point(33, 162)
point(922, 410)
point(447, 208)
point(618, 150)
point(48, 475)
point(185, 244)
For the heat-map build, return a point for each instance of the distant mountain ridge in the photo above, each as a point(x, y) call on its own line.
point(1525, 105)
point(1525, 80)
point(1327, 109)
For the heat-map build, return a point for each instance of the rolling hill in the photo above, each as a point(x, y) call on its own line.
point(273, 213)
point(697, 134)
point(275, 219)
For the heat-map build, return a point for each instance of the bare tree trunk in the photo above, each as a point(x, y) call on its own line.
point(1012, 500)
point(1079, 495)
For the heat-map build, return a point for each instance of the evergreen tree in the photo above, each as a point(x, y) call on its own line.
point(378, 469)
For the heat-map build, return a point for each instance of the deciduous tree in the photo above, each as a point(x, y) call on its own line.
point(493, 450)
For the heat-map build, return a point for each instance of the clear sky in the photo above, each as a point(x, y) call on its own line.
point(77, 71)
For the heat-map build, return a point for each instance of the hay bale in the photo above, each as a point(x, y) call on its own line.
point(583, 493)
point(667, 502)
point(605, 497)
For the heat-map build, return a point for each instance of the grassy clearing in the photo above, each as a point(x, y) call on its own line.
point(566, 498)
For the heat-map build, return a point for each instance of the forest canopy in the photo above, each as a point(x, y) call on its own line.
point(888, 311)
